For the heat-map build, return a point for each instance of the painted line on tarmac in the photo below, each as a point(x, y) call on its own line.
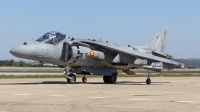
point(151, 83)
point(22, 94)
point(57, 95)
point(196, 85)
point(3, 111)
point(188, 101)
point(96, 97)
point(140, 99)
point(142, 83)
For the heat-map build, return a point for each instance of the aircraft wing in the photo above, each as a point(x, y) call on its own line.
point(131, 52)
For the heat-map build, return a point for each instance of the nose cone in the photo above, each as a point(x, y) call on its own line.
point(20, 51)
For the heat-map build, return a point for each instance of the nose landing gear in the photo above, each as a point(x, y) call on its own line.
point(71, 78)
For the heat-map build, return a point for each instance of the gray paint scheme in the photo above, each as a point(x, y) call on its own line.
point(74, 53)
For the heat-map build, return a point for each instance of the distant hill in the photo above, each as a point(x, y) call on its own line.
point(190, 61)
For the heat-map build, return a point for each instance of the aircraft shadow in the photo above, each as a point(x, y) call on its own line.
point(35, 83)
point(95, 83)
point(125, 83)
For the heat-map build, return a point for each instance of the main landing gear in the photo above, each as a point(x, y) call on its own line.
point(109, 79)
point(148, 81)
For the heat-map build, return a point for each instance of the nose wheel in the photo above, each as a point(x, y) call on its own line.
point(71, 78)
point(84, 79)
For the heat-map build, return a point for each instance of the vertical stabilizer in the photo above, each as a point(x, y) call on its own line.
point(158, 42)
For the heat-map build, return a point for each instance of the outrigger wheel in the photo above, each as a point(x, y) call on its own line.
point(84, 79)
point(148, 81)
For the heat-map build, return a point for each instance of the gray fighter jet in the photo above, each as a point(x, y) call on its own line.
point(93, 57)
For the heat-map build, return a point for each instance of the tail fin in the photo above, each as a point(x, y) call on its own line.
point(158, 43)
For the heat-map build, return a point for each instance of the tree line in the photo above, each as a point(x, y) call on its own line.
point(20, 63)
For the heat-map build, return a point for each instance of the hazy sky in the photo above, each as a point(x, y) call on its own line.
point(118, 21)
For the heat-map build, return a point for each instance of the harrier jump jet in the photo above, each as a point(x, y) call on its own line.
point(93, 57)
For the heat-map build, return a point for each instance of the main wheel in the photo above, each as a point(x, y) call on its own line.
point(84, 79)
point(148, 81)
point(109, 79)
point(106, 79)
point(71, 79)
point(112, 79)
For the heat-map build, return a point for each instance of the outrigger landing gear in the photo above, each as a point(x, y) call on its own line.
point(148, 81)
point(84, 79)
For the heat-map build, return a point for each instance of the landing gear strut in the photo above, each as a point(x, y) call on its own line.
point(148, 81)
point(84, 79)
point(109, 79)
point(71, 78)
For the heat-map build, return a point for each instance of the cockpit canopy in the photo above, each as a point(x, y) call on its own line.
point(52, 37)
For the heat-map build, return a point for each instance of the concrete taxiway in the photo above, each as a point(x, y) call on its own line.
point(166, 94)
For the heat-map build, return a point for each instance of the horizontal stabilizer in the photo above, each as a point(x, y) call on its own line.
point(156, 53)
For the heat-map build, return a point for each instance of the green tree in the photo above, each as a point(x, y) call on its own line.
point(21, 63)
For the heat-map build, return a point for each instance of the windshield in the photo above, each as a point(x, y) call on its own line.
point(51, 37)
